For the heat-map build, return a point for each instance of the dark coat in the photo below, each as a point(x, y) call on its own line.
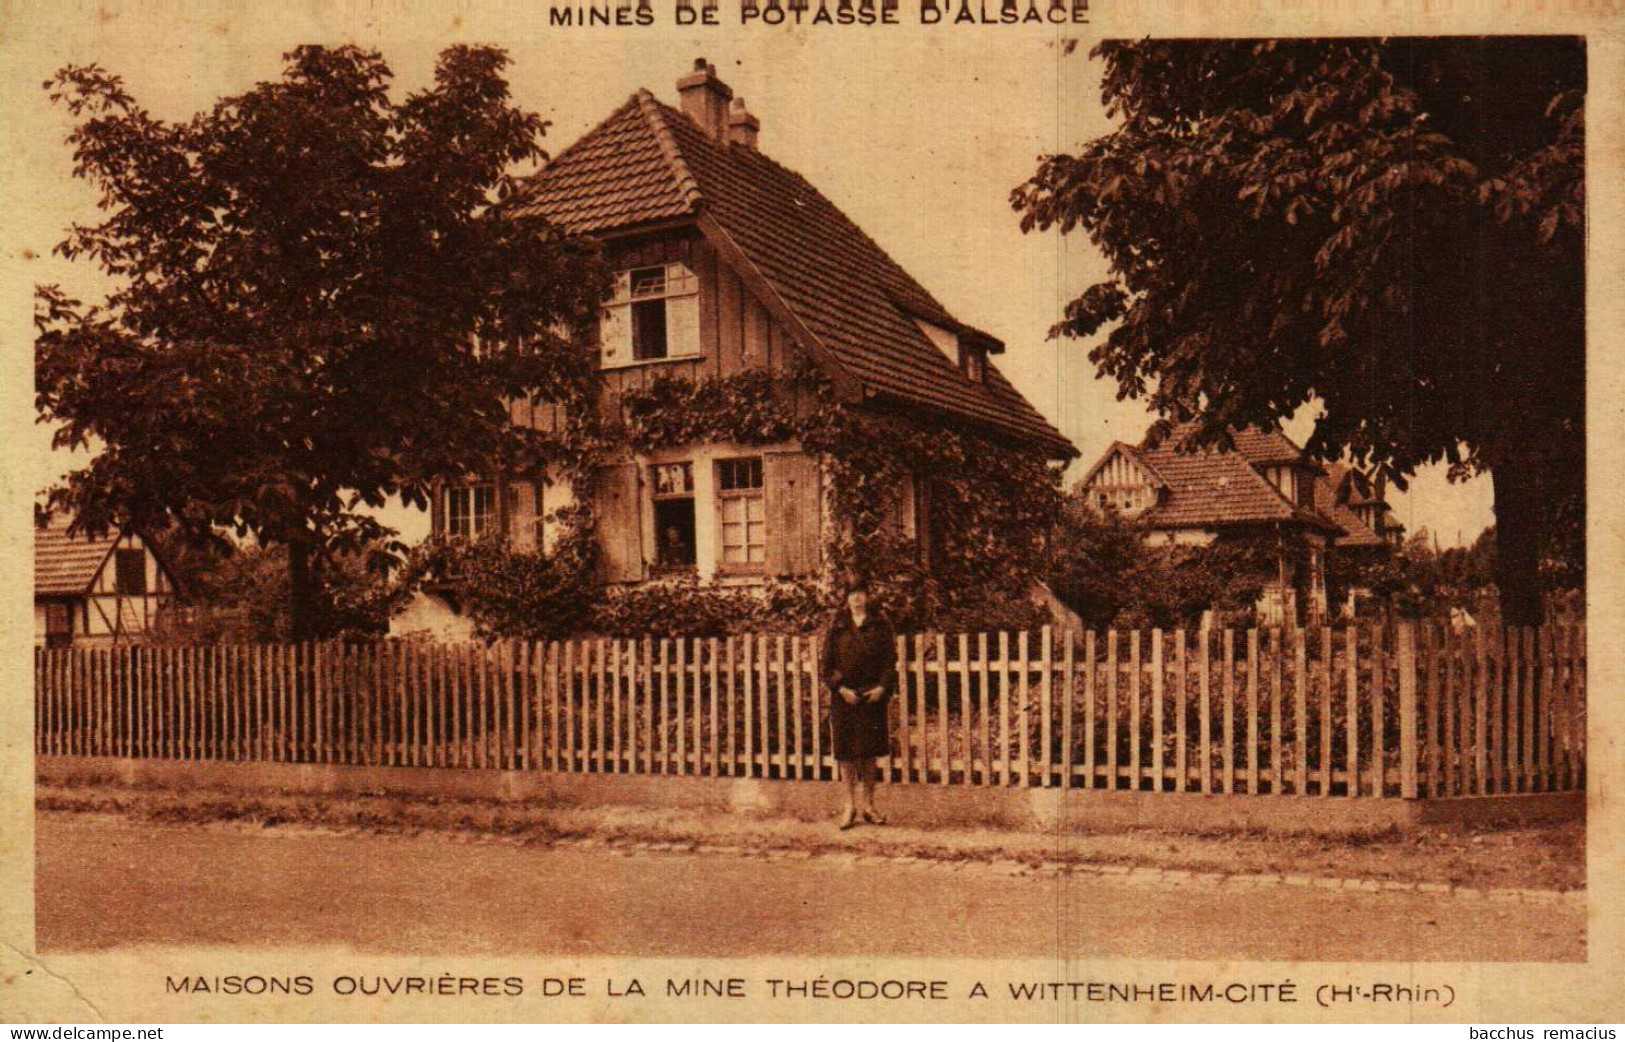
point(859, 658)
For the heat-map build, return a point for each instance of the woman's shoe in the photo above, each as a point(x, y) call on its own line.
point(874, 817)
point(847, 820)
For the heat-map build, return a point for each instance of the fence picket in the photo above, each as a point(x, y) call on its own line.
point(1252, 711)
point(986, 707)
point(680, 695)
point(1379, 690)
point(917, 701)
point(1351, 725)
point(1480, 713)
point(1181, 756)
point(1562, 776)
point(965, 708)
point(1229, 711)
point(1406, 658)
point(1327, 649)
point(1531, 671)
point(712, 649)
point(798, 758)
point(1157, 777)
point(1277, 784)
point(1134, 710)
point(781, 702)
point(749, 695)
point(764, 691)
point(1204, 717)
point(942, 708)
point(733, 732)
point(1004, 708)
point(1111, 709)
point(1069, 691)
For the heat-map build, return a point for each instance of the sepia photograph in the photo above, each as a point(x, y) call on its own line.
point(1094, 499)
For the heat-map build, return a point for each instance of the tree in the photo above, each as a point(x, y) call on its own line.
point(1393, 229)
point(317, 304)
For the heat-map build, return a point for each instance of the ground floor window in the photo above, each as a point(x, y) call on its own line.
point(672, 488)
point(58, 626)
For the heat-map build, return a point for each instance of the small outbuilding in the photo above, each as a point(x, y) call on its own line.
point(96, 590)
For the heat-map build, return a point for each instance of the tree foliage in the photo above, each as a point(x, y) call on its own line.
point(1391, 229)
point(317, 304)
point(1102, 567)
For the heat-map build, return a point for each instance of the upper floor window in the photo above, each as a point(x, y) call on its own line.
point(654, 315)
point(130, 571)
point(471, 511)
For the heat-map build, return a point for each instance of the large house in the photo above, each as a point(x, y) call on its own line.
point(96, 590)
point(728, 263)
point(1264, 490)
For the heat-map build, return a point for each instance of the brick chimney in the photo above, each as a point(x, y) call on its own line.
point(705, 99)
point(742, 126)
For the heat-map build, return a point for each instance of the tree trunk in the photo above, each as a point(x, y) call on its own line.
point(1520, 516)
point(301, 590)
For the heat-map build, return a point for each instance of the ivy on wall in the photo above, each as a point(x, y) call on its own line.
point(992, 507)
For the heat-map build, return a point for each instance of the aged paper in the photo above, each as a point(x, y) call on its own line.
point(929, 123)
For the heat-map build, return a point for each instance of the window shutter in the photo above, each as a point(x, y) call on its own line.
point(615, 335)
point(522, 514)
point(794, 537)
point(620, 523)
point(437, 509)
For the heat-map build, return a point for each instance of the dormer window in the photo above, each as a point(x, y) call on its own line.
point(653, 316)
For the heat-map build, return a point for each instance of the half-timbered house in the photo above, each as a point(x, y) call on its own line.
point(1263, 490)
point(97, 590)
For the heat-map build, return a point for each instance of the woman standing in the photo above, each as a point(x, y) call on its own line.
point(860, 667)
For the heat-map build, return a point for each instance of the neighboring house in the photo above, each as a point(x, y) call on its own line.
point(106, 590)
point(1355, 501)
point(1264, 491)
point(728, 263)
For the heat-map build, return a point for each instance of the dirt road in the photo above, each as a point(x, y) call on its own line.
point(104, 882)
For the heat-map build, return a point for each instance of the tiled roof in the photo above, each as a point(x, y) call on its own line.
point(64, 566)
point(1328, 493)
point(649, 162)
point(1209, 488)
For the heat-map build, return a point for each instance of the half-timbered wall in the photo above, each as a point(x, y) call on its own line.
point(109, 611)
point(1123, 485)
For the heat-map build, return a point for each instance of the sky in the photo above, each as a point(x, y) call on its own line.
point(918, 135)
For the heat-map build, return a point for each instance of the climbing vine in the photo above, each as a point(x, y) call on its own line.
point(992, 506)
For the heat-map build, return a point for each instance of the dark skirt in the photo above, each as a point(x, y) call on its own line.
point(858, 732)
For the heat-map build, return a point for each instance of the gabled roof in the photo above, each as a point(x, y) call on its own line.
point(1131, 453)
point(648, 163)
point(66, 566)
point(1262, 448)
point(1335, 496)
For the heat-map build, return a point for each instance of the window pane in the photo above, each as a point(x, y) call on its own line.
point(457, 512)
point(673, 479)
point(735, 475)
point(648, 282)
